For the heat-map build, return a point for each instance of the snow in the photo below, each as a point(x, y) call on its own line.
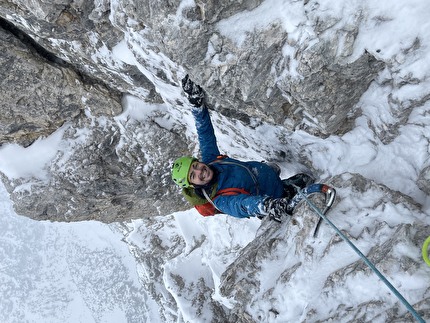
point(84, 272)
point(30, 161)
point(54, 272)
point(240, 25)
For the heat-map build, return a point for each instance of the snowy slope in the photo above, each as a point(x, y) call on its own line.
point(61, 272)
point(86, 272)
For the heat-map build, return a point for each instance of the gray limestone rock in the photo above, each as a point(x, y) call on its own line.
point(246, 79)
point(67, 58)
point(107, 170)
point(424, 180)
point(81, 34)
point(329, 90)
point(38, 97)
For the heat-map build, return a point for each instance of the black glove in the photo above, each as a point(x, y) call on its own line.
point(277, 208)
point(195, 93)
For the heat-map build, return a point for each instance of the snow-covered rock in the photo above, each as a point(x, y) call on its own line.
point(38, 96)
point(339, 86)
point(292, 73)
point(287, 275)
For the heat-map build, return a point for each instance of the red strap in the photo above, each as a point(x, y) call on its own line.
point(231, 191)
point(207, 209)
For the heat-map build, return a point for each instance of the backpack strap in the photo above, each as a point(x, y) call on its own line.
point(231, 191)
point(209, 199)
point(220, 160)
point(226, 192)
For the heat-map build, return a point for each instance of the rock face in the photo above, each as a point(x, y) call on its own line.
point(158, 258)
point(67, 61)
point(40, 96)
point(113, 172)
point(100, 180)
point(295, 256)
point(424, 180)
point(253, 76)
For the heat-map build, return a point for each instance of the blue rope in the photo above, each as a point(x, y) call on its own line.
point(367, 261)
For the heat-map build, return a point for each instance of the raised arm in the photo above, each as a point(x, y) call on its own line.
point(205, 131)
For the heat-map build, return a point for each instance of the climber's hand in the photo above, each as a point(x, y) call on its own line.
point(195, 93)
point(277, 208)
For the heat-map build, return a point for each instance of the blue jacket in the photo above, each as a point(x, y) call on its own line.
point(257, 178)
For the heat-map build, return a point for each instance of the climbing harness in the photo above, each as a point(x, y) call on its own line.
point(367, 261)
point(425, 251)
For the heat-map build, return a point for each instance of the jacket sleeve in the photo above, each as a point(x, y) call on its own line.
point(205, 131)
point(241, 205)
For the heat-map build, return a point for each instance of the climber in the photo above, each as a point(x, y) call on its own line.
point(219, 184)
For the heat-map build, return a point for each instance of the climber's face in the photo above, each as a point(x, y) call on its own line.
point(200, 173)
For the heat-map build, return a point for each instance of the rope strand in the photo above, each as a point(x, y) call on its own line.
point(364, 258)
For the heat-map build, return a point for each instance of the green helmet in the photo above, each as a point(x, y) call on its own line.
point(180, 170)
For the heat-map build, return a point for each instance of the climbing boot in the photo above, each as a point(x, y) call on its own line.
point(293, 183)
